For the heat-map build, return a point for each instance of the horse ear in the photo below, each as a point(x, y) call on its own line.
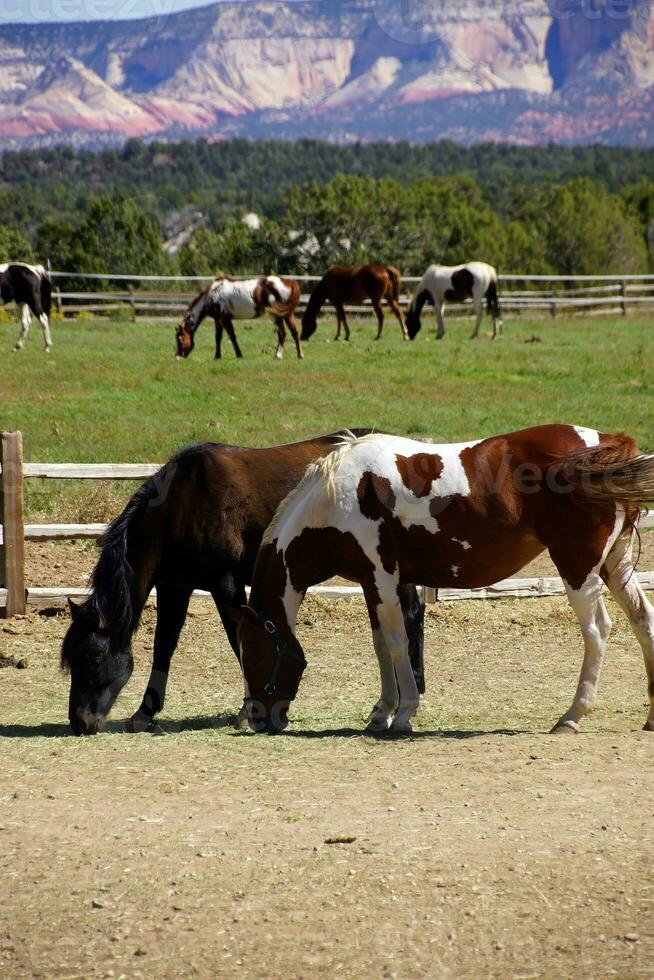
point(74, 609)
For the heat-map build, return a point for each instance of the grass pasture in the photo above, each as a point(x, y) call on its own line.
point(479, 846)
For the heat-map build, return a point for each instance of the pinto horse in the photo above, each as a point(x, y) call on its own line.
point(196, 524)
point(227, 299)
point(384, 511)
point(341, 285)
point(475, 280)
point(29, 286)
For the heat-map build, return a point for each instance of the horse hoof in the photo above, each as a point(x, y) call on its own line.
point(402, 727)
point(138, 723)
point(242, 724)
point(378, 723)
point(648, 726)
point(565, 728)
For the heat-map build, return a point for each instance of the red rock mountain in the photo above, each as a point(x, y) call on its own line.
point(538, 70)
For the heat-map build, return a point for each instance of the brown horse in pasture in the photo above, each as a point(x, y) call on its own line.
point(196, 524)
point(227, 299)
point(341, 285)
point(384, 511)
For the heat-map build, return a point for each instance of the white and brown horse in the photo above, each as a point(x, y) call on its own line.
point(227, 299)
point(383, 510)
point(455, 284)
point(29, 287)
point(342, 284)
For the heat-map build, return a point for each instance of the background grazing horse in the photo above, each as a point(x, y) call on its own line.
point(384, 510)
point(29, 286)
point(196, 524)
point(227, 299)
point(475, 280)
point(341, 285)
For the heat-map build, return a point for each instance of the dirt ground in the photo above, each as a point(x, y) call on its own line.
point(479, 846)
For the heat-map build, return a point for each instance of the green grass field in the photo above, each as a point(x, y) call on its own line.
point(112, 391)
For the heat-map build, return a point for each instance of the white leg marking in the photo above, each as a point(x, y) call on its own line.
point(26, 320)
point(47, 339)
point(380, 718)
point(391, 623)
point(629, 594)
point(595, 625)
point(440, 333)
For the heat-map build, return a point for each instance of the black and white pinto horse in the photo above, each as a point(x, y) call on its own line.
point(29, 286)
point(455, 284)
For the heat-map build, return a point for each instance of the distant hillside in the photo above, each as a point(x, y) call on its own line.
point(341, 70)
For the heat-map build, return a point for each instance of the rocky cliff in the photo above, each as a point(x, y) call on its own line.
point(342, 69)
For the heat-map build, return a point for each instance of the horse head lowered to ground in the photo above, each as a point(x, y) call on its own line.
point(227, 299)
point(196, 524)
point(342, 284)
point(384, 511)
point(455, 284)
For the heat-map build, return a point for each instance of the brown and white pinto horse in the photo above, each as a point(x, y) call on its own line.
point(341, 285)
point(29, 286)
point(383, 510)
point(475, 280)
point(227, 299)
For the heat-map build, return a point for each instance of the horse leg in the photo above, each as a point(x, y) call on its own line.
point(395, 308)
point(229, 330)
point(338, 323)
point(391, 622)
point(380, 718)
point(281, 337)
point(379, 313)
point(413, 611)
point(618, 572)
point(172, 606)
point(290, 320)
point(345, 323)
point(228, 595)
point(218, 338)
point(25, 321)
point(479, 315)
point(440, 332)
point(47, 339)
point(595, 625)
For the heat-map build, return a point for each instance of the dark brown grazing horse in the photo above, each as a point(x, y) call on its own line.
point(383, 511)
point(228, 299)
point(196, 524)
point(341, 285)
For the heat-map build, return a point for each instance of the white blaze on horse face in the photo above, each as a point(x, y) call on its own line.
point(590, 437)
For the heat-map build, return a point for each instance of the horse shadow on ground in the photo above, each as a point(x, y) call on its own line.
point(203, 723)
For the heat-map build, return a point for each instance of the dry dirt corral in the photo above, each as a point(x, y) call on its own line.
point(478, 847)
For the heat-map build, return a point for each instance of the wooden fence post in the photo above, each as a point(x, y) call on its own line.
point(553, 305)
point(12, 550)
point(623, 293)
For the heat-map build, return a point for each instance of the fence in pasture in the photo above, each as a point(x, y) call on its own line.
point(15, 597)
point(537, 295)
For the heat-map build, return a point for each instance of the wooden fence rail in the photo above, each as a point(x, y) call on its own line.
point(15, 597)
point(549, 294)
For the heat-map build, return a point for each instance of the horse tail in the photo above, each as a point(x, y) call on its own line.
point(283, 308)
point(395, 277)
point(493, 305)
point(312, 309)
point(46, 292)
point(613, 473)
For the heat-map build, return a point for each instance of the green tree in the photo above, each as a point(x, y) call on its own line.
point(589, 232)
point(14, 247)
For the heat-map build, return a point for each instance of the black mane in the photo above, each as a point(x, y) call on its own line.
point(112, 579)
